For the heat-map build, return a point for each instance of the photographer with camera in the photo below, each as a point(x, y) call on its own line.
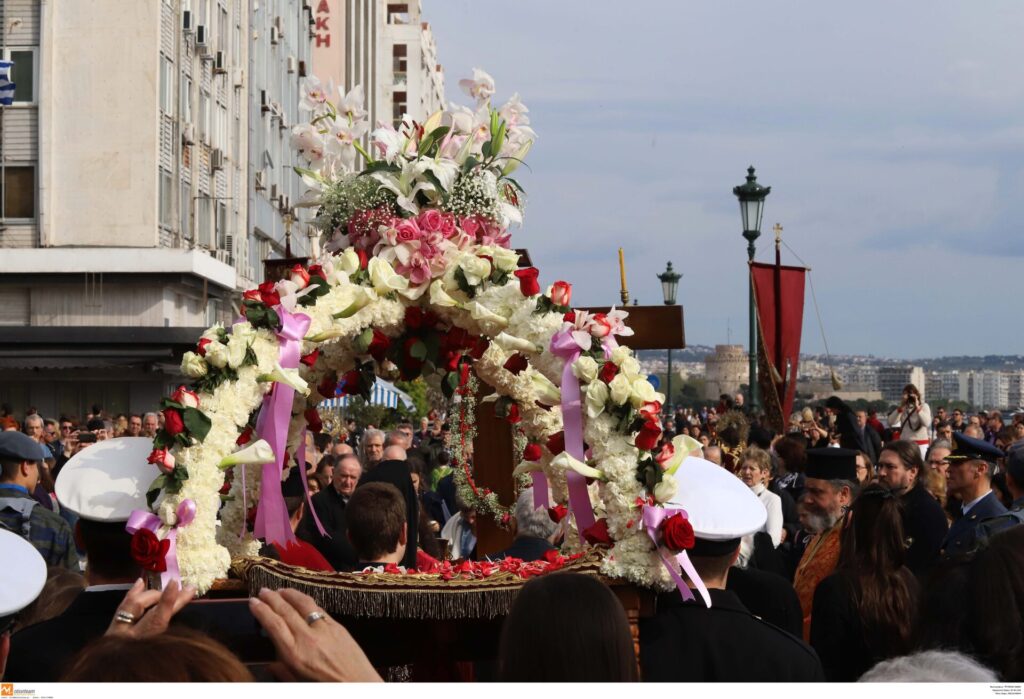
point(912, 417)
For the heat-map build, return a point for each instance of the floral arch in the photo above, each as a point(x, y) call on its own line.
point(417, 280)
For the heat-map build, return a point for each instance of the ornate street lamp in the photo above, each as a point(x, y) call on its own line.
point(669, 285)
point(751, 196)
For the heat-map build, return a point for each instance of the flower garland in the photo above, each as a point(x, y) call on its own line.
point(419, 281)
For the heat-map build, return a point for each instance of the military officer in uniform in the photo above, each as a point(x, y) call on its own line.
point(22, 577)
point(20, 513)
point(723, 642)
point(970, 478)
point(1015, 484)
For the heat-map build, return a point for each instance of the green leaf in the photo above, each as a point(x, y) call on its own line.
point(197, 423)
point(498, 140)
point(418, 350)
point(273, 320)
point(432, 141)
point(380, 166)
point(250, 357)
point(494, 121)
point(486, 149)
point(348, 312)
point(471, 162)
point(433, 343)
point(449, 384)
point(300, 171)
point(363, 341)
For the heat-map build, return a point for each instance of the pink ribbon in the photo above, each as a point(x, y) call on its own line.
point(300, 463)
point(540, 490)
point(563, 345)
point(272, 523)
point(144, 519)
point(652, 518)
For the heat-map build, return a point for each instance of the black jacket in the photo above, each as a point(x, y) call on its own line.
point(686, 642)
point(924, 523)
point(526, 548)
point(41, 652)
point(330, 508)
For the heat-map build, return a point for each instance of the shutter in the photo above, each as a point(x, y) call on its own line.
point(168, 25)
point(26, 33)
point(14, 306)
point(20, 134)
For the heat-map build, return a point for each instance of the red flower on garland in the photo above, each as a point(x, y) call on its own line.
point(677, 533)
point(556, 443)
point(350, 382)
point(478, 347)
point(245, 437)
point(517, 363)
point(150, 552)
point(513, 416)
point(531, 452)
point(379, 345)
point(173, 424)
point(648, 436)
point(268, 294)
point(650, 410)
point(201, 347)
point(328, 386)
point(528, 281)
point(313, 420)
point(310, 359)
point(364, 261)
point(608, 372)
point(597, 533)
point(569, 317)
point(299, 276)
point(316, 271)
point(561, 293)
point(558, 513)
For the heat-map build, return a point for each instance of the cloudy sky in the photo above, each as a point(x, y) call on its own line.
point(892, 135)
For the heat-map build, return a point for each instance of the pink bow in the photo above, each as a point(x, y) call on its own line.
point(652, 518)
point(144, 519)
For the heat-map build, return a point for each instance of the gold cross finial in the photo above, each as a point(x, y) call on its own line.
point(778, 232)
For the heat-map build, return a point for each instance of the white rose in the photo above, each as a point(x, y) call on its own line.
point(620, 354)
point(621, 389)
point(506, 260)
point(643, 392)
point(236, 352)
point(630, 367)
point(217, 355)
point(193, 366)
point(475, 269)
point(213, 333)
point(585, 369)
point(597, 398)
point(349, 261)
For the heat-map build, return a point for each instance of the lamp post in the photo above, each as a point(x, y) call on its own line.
point(751, 196)
point(669, 285)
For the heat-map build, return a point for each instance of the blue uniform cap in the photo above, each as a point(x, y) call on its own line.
point(968, 448)
point(19, 447)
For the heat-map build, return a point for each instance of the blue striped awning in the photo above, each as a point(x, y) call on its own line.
point(384, 393)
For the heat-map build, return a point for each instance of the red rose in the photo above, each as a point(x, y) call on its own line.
point(677, 533)
point(561, 293)
point(310, 359)
point(268, 294)
point(299, 276)
point(517, 363)
point(245, 437)
point(608, 372)
point(665, 455)
point(456, 338)
point(363, 259)
point(650, 410)
point(150, 552)
point(350, 382)
point(316, 271)
point(173, 424)
point(478, 347)
point(513, 414)
point(531, 452)
point(556, 443)
point(162, 459)
point(185, 397)
point(313, 420)
point(328, 386)
point(201, 347)
point(252, 295)
point(648, 436)
point(528, 281)
point(378, 345)
point(450, 360)
point(570, 317)
point(558, 513)
point(597, 533)
point(414, 317)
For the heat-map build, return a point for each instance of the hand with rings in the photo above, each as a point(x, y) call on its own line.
point(145, 612)
point(309, 642)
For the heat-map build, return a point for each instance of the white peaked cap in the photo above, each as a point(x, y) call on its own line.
point(22, 574)
point(719, 506)
point(108, 480)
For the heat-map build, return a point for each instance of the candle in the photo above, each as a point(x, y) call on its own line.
point(622, 270)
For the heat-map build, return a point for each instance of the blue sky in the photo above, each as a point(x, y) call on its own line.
point(892, 135)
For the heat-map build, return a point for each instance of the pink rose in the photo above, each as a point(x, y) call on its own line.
point(299, 277)
point(470, 225)
point(186, 397)
point(162, 459)
point(447, 225)
point(561, 293)
point(430, 220)
point(407, 231)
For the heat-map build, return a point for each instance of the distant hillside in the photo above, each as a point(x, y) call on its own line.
point(694, 353)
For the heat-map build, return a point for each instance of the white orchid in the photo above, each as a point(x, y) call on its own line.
point(314, 96)
point(341, 139)
point(389, 141)
point(290, 293)
point(307, 140)
point(256, 453)
point(351, 105)
point(288, 377)
point(480, 87)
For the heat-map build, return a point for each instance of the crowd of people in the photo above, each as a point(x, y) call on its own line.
point(888, 551)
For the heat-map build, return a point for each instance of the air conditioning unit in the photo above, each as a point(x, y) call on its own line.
point(264, 104)
point(219, 64)
point(216, 159)
point(238, 77)
point(292, 64)
point(302, 69)
point(202, 39)
point(275, 35)
point(285, 204)
point(273, 193)
point(261, 181)
point(223, 256)
point(186, 21)
point(277, 23)
point(188, 135)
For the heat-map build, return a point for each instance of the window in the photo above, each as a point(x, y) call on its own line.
point(18, 191)
point(186, 100)
point(24, 73)
point(204, 117)
point(166, 85)
point(236, 143)
point(166, 193)
point(186, 210)
point(204, 222)
point(222, 128)
point(222, 226)
point(222, 31)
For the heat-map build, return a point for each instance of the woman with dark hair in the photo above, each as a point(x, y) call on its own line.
point(792, 459)
point(994, 622)
point(566, 627)
point(865, 612)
